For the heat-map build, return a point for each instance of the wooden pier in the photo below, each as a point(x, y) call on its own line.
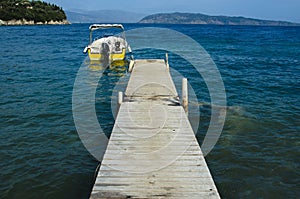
point(152, 151)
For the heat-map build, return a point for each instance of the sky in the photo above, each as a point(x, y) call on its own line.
point(286, 10)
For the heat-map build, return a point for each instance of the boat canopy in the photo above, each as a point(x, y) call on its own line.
point(105, 26)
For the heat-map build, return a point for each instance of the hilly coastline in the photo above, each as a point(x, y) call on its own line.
point(24, 12)
point(197, 18)
point(103, 16)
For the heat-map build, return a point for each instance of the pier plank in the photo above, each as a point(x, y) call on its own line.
point(152, 151)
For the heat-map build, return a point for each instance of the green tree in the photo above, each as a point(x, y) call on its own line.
point(30, 10)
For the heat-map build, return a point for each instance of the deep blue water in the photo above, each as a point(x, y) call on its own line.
point(257, 155)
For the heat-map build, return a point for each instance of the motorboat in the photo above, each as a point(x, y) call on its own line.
point(110, 46)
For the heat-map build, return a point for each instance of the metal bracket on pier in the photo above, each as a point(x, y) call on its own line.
point(120, 100)
point(167, 61)
point(131, 63)
point(185, 100)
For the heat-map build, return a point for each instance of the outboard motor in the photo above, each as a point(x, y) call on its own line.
point(105, 53)
point(104, 49)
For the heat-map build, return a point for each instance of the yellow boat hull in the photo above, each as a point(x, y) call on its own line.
point(112, 56)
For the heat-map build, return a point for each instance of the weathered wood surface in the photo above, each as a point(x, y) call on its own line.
point(153, 152)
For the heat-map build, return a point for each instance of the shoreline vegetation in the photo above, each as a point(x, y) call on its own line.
point(24, 12)
point(32, 22)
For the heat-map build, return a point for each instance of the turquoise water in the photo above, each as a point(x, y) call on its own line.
point(257, 155)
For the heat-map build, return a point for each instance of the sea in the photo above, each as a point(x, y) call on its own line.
point(256, 156)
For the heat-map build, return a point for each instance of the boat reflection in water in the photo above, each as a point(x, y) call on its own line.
point(115, 68)
point(119, 66)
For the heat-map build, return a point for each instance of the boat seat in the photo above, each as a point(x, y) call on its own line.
point(95, 50)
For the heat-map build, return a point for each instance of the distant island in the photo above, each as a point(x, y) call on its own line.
point(24, 12)
point(103, 16)
point(197, 18)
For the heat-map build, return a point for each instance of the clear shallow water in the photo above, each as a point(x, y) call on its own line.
point(257, 155)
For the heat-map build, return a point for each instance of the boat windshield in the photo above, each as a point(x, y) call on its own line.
point(106, 30)
point(105, 26)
